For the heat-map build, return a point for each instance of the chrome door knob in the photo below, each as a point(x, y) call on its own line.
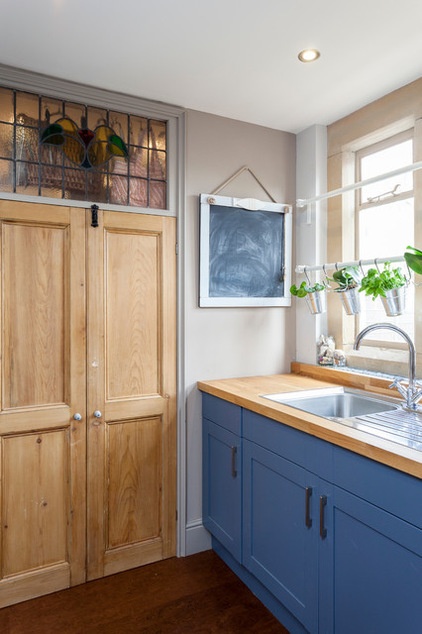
point(97, 413)
point(77, 416)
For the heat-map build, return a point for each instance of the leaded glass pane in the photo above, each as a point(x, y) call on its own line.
point(138, 131)
point(120, 124)
point(103, 156)
point(26, 178)
point(6, 105)
point(6, 176)
point(75, 111)
point(6, 140)
point(157, 195)
point(27, 108)
point(74, 183)
point(119, 189)
point(96, 117)
point(51, 181)
point(157, 164)
point(138, 192)
point(157, 135)
point(54, 107)
point(96, 186)
point(51, 176)
point(138, 162)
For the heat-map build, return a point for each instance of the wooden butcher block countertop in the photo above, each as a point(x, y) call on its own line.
point(247, 392)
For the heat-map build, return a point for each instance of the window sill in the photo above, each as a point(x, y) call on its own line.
point(392, 362)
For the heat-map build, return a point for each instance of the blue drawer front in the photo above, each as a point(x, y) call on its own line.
point(223, 413)
point(312, 453)
point(396, 492)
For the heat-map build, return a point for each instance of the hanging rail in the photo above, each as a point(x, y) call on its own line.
point(304, 268)
point(303, 202)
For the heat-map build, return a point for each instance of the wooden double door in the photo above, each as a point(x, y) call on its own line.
point(88, 395)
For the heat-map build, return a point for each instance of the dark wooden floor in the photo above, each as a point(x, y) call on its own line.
point(192, 595)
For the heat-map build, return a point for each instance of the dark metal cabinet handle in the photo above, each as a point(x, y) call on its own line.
point(308, 495)
point(234, 455)
point(322, 505)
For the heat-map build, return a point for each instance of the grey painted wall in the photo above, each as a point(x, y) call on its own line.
point(228, 342)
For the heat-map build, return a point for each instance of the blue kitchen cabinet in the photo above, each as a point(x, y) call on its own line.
point(222, 475)
point(286, 521)
point(371, 576)
point(334, 537)
point(280, 544)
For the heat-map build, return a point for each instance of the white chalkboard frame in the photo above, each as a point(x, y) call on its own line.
point(222, 297)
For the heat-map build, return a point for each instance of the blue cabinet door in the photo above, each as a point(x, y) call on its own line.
point(222, 490)
point(280, 530)
point(372, 579)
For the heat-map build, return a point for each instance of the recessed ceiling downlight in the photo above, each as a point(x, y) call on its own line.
point(309, 55)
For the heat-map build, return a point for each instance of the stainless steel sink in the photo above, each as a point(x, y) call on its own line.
point(336, 402)
point(384, 417)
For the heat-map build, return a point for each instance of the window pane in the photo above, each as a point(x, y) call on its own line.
point(157, 195)
point(139, 131)
point(385, 161)
point(6, 176)
point(51, 181)
point(138, 192)
point(62, 168)
point(27, 108)
point(138, 162)
point(386, 230)
point(6, 140)
point(157, 165)
point(6, 105)
point(382, 233)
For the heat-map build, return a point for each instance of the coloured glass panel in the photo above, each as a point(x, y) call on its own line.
point(104, 156)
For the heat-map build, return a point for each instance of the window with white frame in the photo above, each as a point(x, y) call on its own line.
point(385, 227)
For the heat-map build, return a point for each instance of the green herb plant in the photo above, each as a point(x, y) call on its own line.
point(305, 288)
point(413, 258)
point(376, 283)
point(347, 277)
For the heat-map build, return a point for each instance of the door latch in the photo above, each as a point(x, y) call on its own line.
point(94, 215)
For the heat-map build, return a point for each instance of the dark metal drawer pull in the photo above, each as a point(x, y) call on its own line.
point(308, 495)
point(234, 455)
point(322, 505)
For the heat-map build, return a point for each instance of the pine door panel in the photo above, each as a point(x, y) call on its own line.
point(35, 501)
point(134, 476)
point(43, 383)
point(132, 314)
point(132, 383)
point(34, 314)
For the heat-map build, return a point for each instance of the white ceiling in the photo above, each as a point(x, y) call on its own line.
point(235, 58)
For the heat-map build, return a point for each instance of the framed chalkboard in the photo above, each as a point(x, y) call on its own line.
point(245, 252)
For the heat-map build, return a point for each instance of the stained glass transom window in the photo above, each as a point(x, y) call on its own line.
point(30, 168)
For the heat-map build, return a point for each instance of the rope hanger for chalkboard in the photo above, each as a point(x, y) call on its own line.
point(245, 168)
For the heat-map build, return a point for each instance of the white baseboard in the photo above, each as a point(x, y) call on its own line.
point(197, 538)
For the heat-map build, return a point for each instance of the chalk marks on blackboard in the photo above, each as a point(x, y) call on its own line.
point(246, 253)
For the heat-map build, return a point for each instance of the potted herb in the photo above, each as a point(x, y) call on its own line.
point(347, 280)
point(315, 296)
point(389, 284)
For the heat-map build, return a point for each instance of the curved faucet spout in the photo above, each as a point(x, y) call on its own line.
point(411, 394)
